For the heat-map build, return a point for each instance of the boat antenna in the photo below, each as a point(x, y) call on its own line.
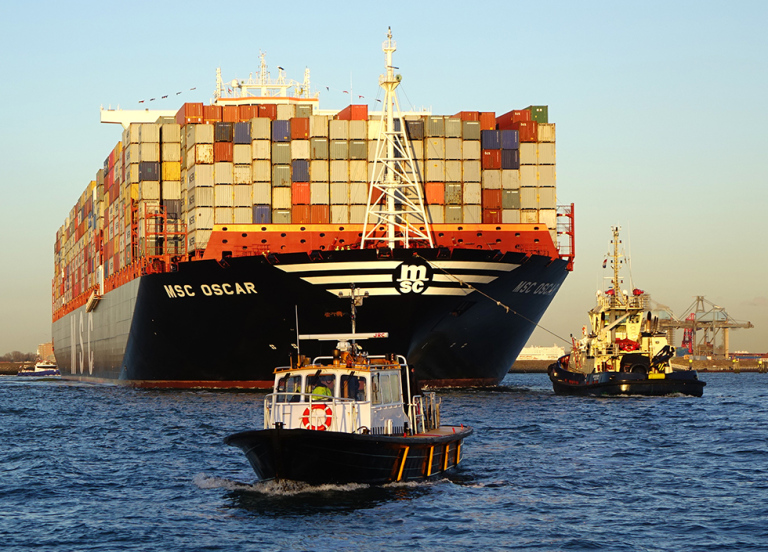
point(298, 339)
point(399, 201)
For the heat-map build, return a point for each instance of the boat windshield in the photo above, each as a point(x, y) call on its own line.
point(322, 386)
point(385, 388)
point(287, 385)
point(353, 387)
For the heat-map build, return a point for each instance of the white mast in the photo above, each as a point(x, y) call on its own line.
point(400, 207)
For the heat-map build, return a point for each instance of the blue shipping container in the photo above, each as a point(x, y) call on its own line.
point(242, 133)
point(262, 214)
point(510, 159)
point(300, 170)
point(510, 139)
point(149, 170)
point(491, 139)
point(281, 131)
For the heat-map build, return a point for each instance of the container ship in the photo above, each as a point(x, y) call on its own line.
point(213, 234)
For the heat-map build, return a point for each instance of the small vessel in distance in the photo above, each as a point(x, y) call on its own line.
point(350, 418)
point(40, 369)
point(622, 352)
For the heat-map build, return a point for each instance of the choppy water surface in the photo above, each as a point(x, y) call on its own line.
point(103, 468)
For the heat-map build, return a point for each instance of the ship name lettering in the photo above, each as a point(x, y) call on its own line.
point(546, 289)
point(525, 287)
point(186, 290)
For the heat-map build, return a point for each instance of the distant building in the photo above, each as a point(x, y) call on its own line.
point(541, 353)
point(45, 351)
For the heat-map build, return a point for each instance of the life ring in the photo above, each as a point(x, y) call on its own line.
point(313, 417)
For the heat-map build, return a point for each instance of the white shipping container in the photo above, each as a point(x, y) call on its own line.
point(339, 170)
point(170, 152)
point(223, 173)
point(149, 151)
point(201, 175)
point(546, 153)
point(261, 149)
point(470, 150)
point(418, 149)
point(546, 132)
point(242, 174)
point(435, 170)
point(339, 214)
point(199, 134)
point(529, 198)
point(243, 196)
point(379, 171)
point(546, 175)
point(453, 171)
point(261, 171)
point(241, 154)
point(261, 193)
point(339, 193)
point(149, 132)
point(203, 154)
point(436, 214)
point(435, 148)
point(528, 216)
point(318, 126)
point(374, 129)
point(132, 174)
point(473, 194)
point(548, 217)
point(200, 218)
point(319, 193)
point(472, 171)
point(338, 129)
point(318, 171)
point(356, 214)
point(203, 197)
point(171, 189)
point(510, 179)
point(281, 198)
point(358, 171)
point(149, 191)
point(491, 179)
point(131, 134)
point(510, 216)
point(170, 133)
point(243, 215)
point(299, 149)
point(528, 153)
point(453, 148)
point(286, 112)
point(261, 128)
point(223, 195)
point(358, 130)
point(473, 214)
point(358, 193)
point(223, 215)
point(547, 198)
point(528, 176)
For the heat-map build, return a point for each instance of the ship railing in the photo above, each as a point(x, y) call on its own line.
point(295, 410)
point(424, 412)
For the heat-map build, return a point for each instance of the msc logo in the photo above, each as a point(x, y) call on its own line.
point(412, 277)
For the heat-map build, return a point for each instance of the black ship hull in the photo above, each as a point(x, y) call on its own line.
point(318, 457)
point(565, 382)
point(462, 316)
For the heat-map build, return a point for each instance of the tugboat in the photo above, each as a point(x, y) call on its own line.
point(40, 369)
point(350, 418)
point(622, 352)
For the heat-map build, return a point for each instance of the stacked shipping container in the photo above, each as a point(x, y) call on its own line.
point(282, 164)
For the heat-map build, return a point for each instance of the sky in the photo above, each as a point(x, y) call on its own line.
point(660, 107)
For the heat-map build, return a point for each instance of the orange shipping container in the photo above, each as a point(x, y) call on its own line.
point(491, 159)
point(319, 214)
point(491, 216)
point(269, 110)
point(435, 193)
point(353, 113)
point(300, 193)
point(223, 151)
point(488, 120)
point(300, 128)
point(528, 130)
point(212, 113)
point(504, 122)
point(467, 115)
point(190, 113)
point(300, 214)
point(247, 112)
point(230, 114)
point(491, 199)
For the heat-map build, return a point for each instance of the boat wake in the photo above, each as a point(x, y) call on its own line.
point(273, 488)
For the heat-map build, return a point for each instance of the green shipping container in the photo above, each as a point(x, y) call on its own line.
point(539, 113)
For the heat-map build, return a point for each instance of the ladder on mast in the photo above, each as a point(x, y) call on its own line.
point(399, 201)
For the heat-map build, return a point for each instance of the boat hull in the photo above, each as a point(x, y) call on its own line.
point(318, 457)
point(202, 325)
point(566, 382)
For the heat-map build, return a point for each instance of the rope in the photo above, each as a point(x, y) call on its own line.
point(507, 308)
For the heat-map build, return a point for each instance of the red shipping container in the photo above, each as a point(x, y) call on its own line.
point(491, 199)
point(491, 216)
point(467, 115)
point(212, 113)
point(300, 214)
point(353, 113)
point(491, 159)
point(268, 110)
point(230, 114)
point(247, 112)
point(190, 113)
point(435, 193)
point(488, 120)
point(504, 122)
point(223, 151)
point(299, 128)
point(300, 193)
point(528, 130)
point(319, 214)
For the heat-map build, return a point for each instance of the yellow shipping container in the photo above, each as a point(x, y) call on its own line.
point(171, 170)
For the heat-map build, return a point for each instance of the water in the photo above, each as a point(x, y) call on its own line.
point(106, 468)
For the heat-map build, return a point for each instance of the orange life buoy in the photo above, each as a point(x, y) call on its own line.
point(319, 417)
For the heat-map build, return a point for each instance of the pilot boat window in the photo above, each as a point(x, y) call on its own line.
point(287, 385)
point(384, 388)
point(353, 387)
point(321, 386)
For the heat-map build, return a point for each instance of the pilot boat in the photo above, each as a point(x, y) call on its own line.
point(623, 351)
point(350, 418)
point(40, 369)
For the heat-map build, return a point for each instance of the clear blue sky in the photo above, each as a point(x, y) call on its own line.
point(662, 121)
